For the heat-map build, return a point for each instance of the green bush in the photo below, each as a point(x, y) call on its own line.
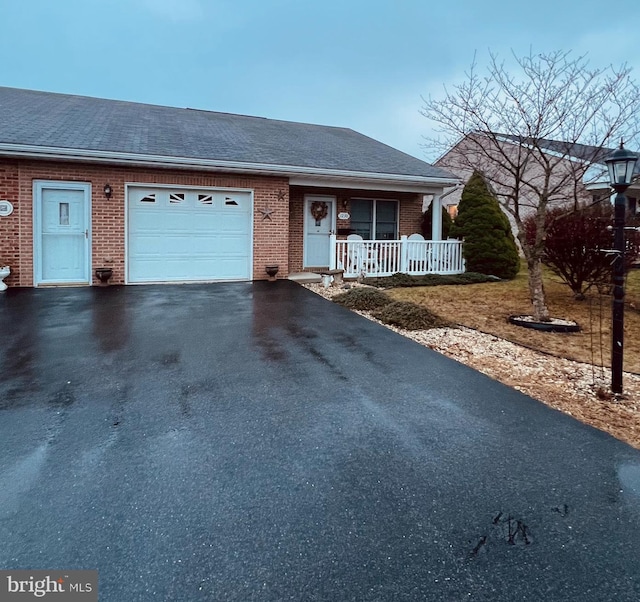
point(405, 281)
point(396, 281)
point(363, 298)
point(489, 246)
point(409, 316)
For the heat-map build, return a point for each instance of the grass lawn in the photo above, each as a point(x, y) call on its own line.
point(487, 306)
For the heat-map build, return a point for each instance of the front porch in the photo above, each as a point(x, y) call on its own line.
point(387, 257)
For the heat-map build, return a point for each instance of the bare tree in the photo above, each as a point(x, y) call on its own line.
point(504, 124)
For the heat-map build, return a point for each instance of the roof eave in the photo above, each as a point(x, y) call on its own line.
point(296, 172)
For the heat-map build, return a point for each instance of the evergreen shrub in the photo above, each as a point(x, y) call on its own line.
point(362, 298)
point(409, 316)
point(489, 246)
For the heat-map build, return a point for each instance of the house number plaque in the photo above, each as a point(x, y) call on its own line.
point(343, 215)
point(6, 208)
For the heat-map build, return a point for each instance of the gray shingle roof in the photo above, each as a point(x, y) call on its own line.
point(582, 152)
point(45, 119)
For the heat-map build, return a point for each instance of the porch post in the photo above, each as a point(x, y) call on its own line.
point(404, 262)
point(332, 252)
point(436, 218)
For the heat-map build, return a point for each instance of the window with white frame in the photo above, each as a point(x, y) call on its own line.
point(374, 219)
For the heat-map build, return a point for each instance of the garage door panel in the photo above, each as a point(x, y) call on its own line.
point(192, 221)
point(174, 268)
point(189, 235)
point(232, 223)
point(149, 246)
point(210, 225)
point(232, 245)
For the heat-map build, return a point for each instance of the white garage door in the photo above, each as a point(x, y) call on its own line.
point(180, 235)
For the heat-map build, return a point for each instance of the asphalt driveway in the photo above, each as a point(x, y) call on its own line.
point(242, 442)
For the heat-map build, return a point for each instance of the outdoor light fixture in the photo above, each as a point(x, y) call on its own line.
point(108, 191)
point(621, 164)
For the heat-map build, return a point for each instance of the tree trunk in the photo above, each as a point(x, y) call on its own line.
point(533, 256)
point(536, 290)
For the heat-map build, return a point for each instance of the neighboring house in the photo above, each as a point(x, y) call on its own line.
point(161, 194)
point(591, 185)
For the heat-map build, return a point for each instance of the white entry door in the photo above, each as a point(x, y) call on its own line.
point(319, 224)
point(61, 236)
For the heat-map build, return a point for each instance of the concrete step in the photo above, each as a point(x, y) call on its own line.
point(305, 277)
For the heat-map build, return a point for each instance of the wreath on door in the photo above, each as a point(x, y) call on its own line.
point(319, 210)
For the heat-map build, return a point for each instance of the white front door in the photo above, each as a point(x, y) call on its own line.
point(61, 233)
point(319, 224)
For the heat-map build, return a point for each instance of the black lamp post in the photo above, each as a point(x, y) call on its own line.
point(620, 164)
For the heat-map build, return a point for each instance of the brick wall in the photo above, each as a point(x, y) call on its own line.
point(271, 236)
point(296, 228)
point(10, 225)
point(276, 240)
point(410, 214)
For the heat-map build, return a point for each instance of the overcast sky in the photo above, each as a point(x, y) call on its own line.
point(362, 64)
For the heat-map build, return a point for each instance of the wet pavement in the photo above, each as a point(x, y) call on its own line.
point(245, 442)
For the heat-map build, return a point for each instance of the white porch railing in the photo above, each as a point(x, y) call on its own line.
point(387, 257)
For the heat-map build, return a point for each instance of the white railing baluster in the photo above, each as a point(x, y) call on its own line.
point(404, 253)
point(388, 257)
point(332, 251)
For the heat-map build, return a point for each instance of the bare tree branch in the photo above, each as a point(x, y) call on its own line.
point(501, 121)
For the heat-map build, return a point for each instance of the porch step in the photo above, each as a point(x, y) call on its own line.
point(305, 277)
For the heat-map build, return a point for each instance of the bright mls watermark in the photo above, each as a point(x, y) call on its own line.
point(64, 586)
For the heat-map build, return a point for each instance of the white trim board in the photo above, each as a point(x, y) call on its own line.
point(94, 156)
